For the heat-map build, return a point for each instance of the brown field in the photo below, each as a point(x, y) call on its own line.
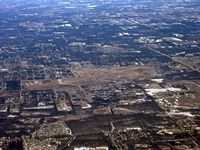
point(190, 99)
point(193, 99)
point(94, 75)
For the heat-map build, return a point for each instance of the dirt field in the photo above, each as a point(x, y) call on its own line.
point(95, 75)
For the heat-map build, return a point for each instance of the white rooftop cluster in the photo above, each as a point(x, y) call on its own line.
point(162, 90)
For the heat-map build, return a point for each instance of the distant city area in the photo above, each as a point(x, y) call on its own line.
point(100, 75)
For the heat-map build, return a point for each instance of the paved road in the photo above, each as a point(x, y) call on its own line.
point(175, 60)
